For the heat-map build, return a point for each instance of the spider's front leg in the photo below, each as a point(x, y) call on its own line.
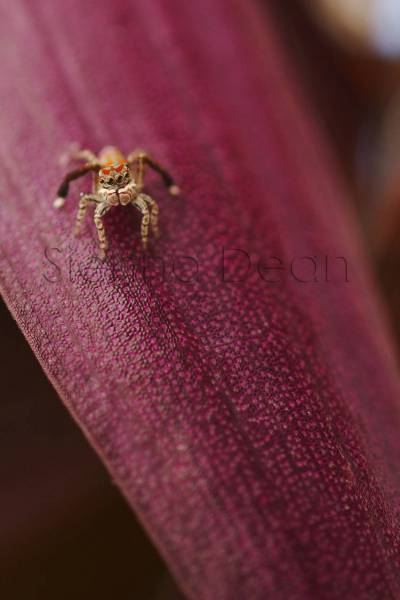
point(138, 159)
point(99, 213)
point(83, 204)
point(62, 191)
point(141, 205)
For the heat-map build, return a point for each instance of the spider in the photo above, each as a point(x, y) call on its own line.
point(116, 181)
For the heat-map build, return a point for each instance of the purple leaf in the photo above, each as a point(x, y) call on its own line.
point(252, 425)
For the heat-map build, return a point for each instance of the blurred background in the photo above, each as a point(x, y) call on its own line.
point(347, 56)
point(61, 517)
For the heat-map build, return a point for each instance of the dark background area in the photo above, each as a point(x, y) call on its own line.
point(65, 530)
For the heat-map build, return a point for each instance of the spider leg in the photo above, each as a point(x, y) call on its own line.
point(136, 162)
point(74, 152)
point(141, 205)
point(62, 191)
point(153, 214)
point(99, 212)
point(138, 159)
point(83, 204)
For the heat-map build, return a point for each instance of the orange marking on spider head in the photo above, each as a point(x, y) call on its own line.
point(113, 165)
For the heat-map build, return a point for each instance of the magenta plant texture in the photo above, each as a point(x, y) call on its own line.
point(249, 414)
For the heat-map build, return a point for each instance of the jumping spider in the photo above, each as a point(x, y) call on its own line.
point(116, 181)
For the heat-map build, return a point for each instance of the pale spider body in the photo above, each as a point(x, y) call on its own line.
point(116, 181)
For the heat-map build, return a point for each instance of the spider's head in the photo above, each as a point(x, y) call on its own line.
point(115, 175)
